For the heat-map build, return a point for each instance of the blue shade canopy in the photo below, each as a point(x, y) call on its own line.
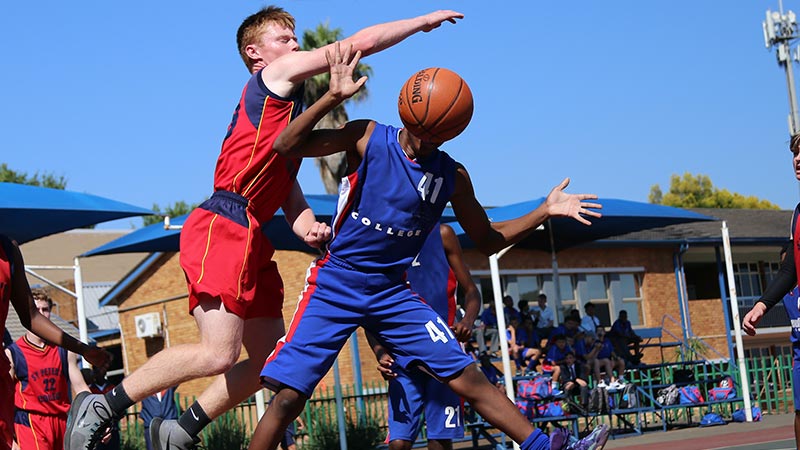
point(619, 217)
point(155, 238)
point(31, 212)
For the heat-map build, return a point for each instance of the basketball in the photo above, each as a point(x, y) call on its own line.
point(435, 104)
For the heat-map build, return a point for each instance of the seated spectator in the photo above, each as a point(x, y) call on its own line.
point(607, 361)
point(590, 321)
point(626, 341)
point(544, 319)
point(488, 331)
point(556, 355)
point(569, 329)
point(509, 311)
point(525, 354)
point(524, 311)
point(573, 379)
point(586, 350)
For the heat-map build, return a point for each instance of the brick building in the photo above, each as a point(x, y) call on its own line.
point(653, 275)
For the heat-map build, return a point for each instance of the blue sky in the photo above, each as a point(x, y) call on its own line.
point(131, 100)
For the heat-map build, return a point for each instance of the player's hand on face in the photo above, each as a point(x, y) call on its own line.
point(462, 331)
point(317, 235)
point(559, 203)
point(752, 318)
point(97, 357)
point(342, 66)
point(436, 18)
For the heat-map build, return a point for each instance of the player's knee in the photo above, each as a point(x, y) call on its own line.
point(221, 361)
point(289, 403)
point(399, 444)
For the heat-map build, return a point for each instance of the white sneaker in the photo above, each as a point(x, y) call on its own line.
point(602, 384)
point(615, 386)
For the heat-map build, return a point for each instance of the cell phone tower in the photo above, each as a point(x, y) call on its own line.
point(780, 30)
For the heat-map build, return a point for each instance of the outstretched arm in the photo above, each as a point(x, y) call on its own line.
point(491, 237)
point(288, 71)
point(76, 380)
point(472, 296)
point(29, 316)
point(299, 139)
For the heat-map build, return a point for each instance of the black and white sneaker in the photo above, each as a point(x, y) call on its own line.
point(168, 435)
point(87, 421)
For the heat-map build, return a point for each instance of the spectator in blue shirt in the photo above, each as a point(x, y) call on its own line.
point(488, 331)
point(626, 341)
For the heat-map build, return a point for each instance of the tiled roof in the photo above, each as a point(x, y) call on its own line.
point(745, 226)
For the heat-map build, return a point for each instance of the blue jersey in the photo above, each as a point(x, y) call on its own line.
point(432, 278)
point(389, 205)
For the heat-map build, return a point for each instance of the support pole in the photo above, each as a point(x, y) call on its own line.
point(737, 324)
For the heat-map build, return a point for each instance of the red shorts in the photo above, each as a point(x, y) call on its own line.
point(39, 431)
point(224, 254)
point(6, 404)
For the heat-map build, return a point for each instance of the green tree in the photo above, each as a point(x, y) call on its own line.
point(47, 180)
point(697, 191)
point(178, 208)
point(332, 167)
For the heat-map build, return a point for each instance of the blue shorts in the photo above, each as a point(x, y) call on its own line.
point(796, 383)
point(335, 302)
point(410, 393)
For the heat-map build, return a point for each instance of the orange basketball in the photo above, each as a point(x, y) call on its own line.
point(435, 104)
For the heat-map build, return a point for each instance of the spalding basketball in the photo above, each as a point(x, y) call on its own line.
point(435, 104)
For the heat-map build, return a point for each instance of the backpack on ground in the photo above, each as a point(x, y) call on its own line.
point(724, 390)
point(668, 395)
point(629, 398)
point(690, 395)
point(738, 415)
point(537, 388)
point(598, 400)
point(712, 419)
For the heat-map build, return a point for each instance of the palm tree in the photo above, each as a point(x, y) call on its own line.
point(333, 167)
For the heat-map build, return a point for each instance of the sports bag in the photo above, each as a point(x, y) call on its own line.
point(668, 395)
point(630, 397)
point(738, 415)
point(712, 419)
point(690, 395)
point(598, 400)
point(723, 391)
point(537, 388)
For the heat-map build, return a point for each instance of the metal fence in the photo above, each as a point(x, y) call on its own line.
point(770, 386)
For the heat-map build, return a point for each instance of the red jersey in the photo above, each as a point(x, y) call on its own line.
point(5, 281)
point(42, 378)
point(247, 165)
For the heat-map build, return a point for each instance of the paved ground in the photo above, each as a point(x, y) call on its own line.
point(775, 432)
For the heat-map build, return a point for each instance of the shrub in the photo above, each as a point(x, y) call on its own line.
point(364, 434)
point(226, 433)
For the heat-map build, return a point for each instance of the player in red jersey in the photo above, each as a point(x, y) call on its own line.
point(14, 290)
point(43, 374)
point(235, 291)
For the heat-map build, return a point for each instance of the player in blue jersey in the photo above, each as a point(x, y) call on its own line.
point(433, 275)
point(394, 195)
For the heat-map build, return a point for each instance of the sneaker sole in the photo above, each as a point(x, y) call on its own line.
point(76, 402)
point(155, 426)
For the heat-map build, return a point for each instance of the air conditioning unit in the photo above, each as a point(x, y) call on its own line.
point(148, 325)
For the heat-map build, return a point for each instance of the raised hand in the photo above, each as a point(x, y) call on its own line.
point(559, 203)
point(341, 68)
point(435, 19)
point(97, 356)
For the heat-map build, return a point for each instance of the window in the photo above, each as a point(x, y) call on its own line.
point(630, 285)
point(702, 281)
